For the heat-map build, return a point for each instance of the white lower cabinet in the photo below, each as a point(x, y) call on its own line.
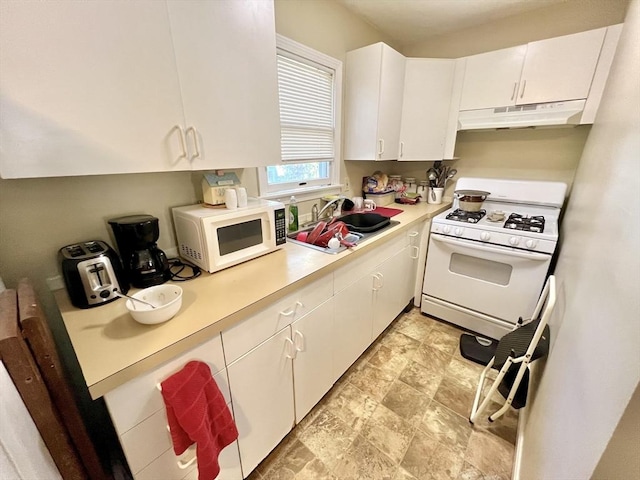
point(138, 414)
point(279, 376)
point(352, 324)
point(370, 293)
point(393, 289)
point(262, 397)
point(313, 338)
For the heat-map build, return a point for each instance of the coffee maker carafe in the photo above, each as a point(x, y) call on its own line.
point(144, 263)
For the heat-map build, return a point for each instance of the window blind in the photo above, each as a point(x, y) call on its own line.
point(306, 110)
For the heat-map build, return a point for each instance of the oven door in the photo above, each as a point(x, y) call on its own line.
point(499, 281)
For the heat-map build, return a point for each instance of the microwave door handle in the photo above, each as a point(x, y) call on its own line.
point(487, 248)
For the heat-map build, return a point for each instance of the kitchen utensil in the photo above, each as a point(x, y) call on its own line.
point(122, 295)
point(92, 273)
point(451, 172)
point(471, 200)
point(167, 300)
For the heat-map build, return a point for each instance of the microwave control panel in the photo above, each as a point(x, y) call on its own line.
point(281, 226)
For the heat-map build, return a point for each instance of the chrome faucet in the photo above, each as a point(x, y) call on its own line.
point(330, 205)
point(314, 213)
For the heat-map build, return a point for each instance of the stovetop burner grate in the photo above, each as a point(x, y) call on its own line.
point(525, 223)
point(460, 215)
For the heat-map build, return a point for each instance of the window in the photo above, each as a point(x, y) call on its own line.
point(309, 85)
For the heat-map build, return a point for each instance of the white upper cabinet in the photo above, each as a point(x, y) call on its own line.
point(428, 85)
point(560, 68)
point(374, 85)
point(88, 87)
point(556, 69)
point(491, 79)
point(106, 87)
point(226, 56)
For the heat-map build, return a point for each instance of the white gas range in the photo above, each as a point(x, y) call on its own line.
point(484, 271)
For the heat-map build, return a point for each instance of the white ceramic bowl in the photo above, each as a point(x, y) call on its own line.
point(166, 298)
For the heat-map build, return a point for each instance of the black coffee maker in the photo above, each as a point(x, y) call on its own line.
point(144, 263)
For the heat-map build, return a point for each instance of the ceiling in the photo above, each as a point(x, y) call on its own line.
point(414, 21)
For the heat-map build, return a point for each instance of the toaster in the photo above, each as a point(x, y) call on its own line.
point(92, 272)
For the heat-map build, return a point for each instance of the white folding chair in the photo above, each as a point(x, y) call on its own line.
point(528, 341)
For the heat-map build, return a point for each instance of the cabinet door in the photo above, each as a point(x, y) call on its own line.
point(373, 103)
point(226, 56)
point(491, 79)
point(390, 113)
point(88, 88)
point(261, 384)
point(393, 288)
point(560, 68)
point(312, 367)
point(352, 323)
point(425, 108)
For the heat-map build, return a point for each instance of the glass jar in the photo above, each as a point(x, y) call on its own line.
point(423, 188)
point(410, 183)
point(395, 181)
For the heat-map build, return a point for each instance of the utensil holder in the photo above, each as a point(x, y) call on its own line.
point(438, 192)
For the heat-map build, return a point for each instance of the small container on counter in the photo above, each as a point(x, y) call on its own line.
point(397, 185)
point(410, 183)
point(423, 188)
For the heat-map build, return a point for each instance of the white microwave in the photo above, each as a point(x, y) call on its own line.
point(214, 238)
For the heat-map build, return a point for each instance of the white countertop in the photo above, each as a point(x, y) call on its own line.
point(112, 348)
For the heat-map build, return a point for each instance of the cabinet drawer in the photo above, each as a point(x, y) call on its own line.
point(150, 438)
point(249, 333)
point(166, 466)
point(131, 403)
point(353, 271)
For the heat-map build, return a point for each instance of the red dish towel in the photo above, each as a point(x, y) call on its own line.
point(198, 413)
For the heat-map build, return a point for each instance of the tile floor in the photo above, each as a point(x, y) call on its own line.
point(399, 413)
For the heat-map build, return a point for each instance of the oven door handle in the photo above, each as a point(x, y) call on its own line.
point(486, 248)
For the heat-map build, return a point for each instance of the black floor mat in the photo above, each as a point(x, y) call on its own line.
point(474, 351)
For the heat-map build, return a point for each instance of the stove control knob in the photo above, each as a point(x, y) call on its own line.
point(458, 231)
point(531, 244)
point(513, 241)
point(446, 229)
point(485, 236)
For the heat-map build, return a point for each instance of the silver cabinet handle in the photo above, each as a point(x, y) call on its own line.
point(524, 85)
point(381, 146)
point(515, 90)
point(183, 142)
point(194, 133)
point(401, 149)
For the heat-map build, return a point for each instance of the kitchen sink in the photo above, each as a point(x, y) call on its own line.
point(362, 227)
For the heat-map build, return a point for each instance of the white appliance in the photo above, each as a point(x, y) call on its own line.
point(523, 116)
point(214, 238)
point(483, 274)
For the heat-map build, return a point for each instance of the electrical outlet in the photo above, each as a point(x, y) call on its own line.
point(346, 186)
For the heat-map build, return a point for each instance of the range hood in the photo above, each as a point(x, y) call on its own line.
point(523, 116)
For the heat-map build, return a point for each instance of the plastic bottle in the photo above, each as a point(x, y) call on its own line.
point(293, 215)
